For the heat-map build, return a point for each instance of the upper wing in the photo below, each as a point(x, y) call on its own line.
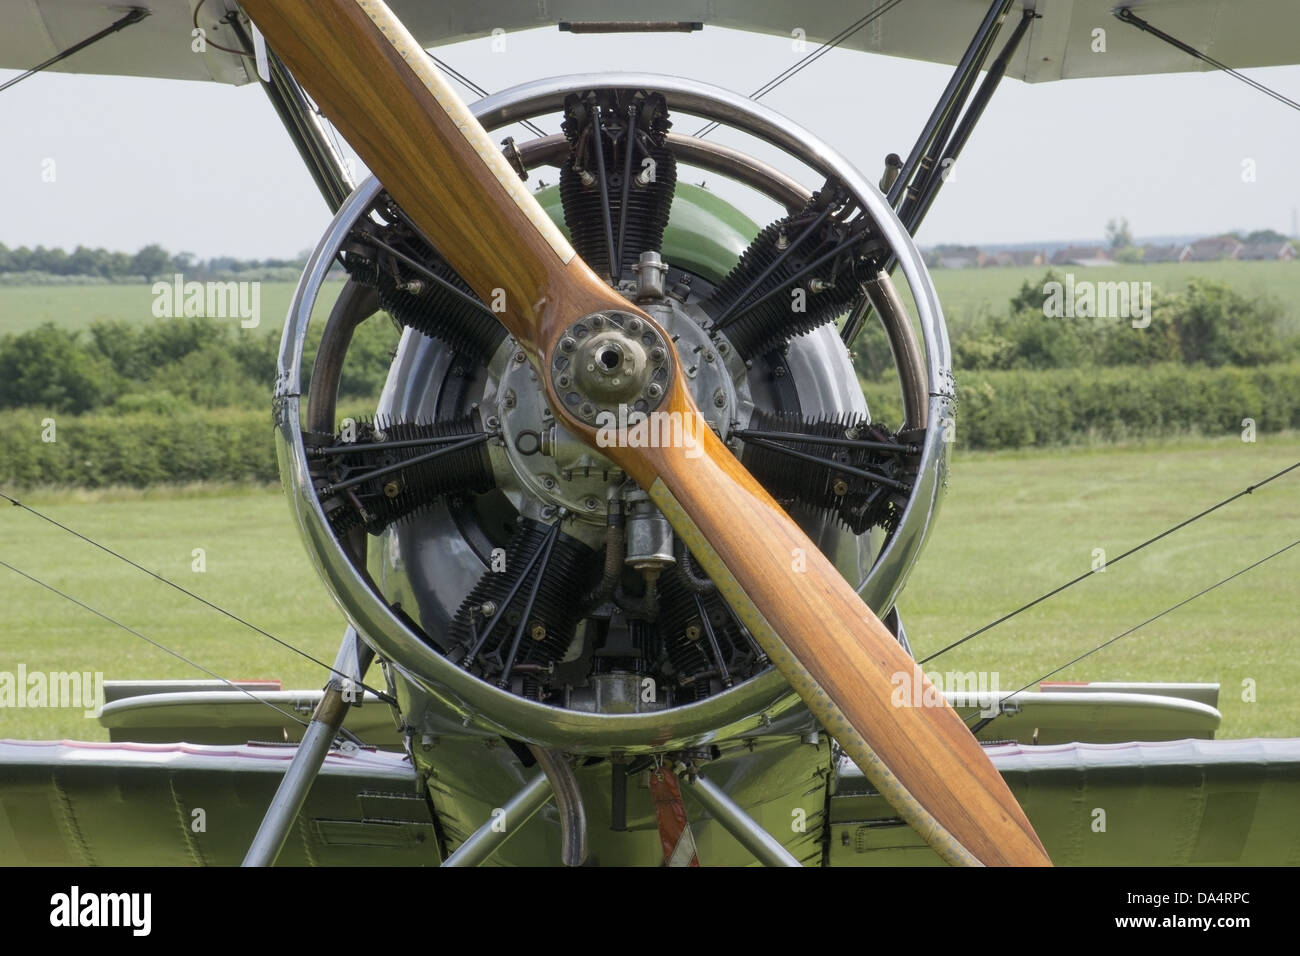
point(161, 45)
point(1062, 44)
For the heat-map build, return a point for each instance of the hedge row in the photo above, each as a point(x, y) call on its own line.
point(995, 410)
point(1016, 409)
point(93, 451)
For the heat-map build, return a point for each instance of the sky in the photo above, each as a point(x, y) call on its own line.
point(207, 169)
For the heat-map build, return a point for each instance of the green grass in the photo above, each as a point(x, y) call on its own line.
point(76, 307)
point(965, 293)
point(1014, 524)
point(968, 293)
point(256, 568)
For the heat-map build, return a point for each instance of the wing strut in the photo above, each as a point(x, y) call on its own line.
point(917, 197)
point(322, 156)
point(354, 658)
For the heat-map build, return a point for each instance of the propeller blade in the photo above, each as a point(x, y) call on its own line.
point(381, 90)
point(867, 692)
point(383, 93)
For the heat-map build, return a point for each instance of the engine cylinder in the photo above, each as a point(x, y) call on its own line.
point(605, 130)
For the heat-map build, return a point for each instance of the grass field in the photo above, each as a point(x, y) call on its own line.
point(965, 293)
point(77, 306)
point(968, 293)
point(1013, 525)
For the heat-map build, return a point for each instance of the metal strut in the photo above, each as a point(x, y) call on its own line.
point(354, 658)
point(997, 70)
point(953, 96)
point(733, 818)
point(305, 127)
point(931, 166)
point(519, 809)
point(554, 779)
point(918, 200)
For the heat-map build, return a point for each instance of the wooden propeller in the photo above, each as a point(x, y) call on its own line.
point(380, 88)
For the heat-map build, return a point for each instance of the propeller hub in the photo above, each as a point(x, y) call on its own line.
point(611, 361)
point(540, 463)
point(611, 366)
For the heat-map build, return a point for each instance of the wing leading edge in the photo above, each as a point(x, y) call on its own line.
point(1062, 44)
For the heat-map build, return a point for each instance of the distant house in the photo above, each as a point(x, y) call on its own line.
point(1030, 257)
point(1013, 257)
point(1165, 253)
point(1213, 249)
point(1282, 251)
point(1082, 256)
point(952, 256)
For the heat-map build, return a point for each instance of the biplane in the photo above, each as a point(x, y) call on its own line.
point(622, 547)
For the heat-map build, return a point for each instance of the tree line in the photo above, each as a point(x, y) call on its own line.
point(168, 366)
point(188, 399)
point(147, 264)
point(196, 361)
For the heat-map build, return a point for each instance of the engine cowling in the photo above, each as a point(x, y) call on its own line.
point(514, 582)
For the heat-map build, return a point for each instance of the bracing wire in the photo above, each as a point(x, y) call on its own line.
point(1137, 627)
point(149, 640)
point(1250, 489)
point(832, 43)
point(386, 698)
